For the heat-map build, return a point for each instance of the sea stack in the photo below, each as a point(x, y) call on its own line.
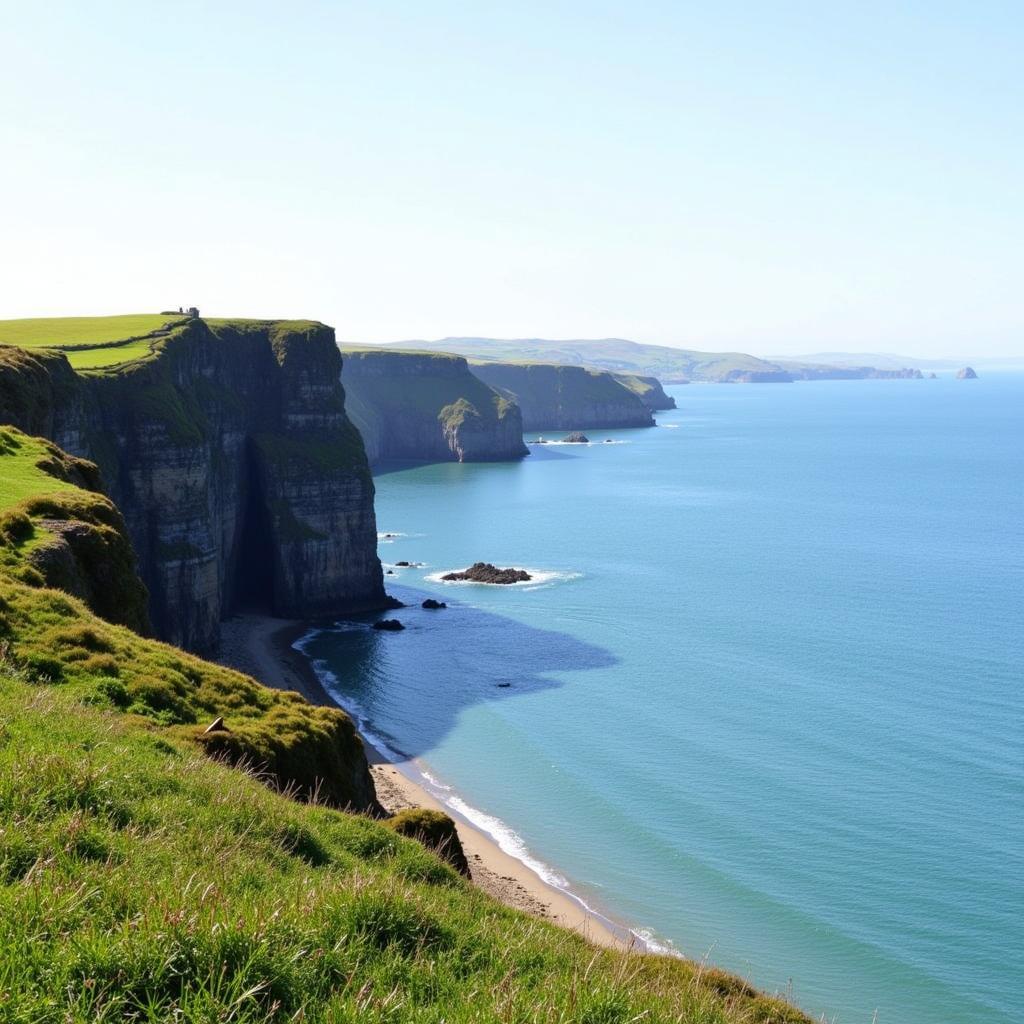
point(967, 373)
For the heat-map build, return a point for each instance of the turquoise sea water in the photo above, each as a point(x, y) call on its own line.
point(770, 706)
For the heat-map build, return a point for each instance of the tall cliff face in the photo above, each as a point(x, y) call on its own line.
point(241, 479)
point(556, 397)
point(428, 407)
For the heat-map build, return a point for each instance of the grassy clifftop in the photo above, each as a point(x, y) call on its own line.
point(91, 341)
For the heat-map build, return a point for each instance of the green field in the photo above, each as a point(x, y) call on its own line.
point(89, 342)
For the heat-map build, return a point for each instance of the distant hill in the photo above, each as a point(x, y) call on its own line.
point(670, 365)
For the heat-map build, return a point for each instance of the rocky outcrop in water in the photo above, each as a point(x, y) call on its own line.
point(576, 438)
point(484, 572)
point(554, 397)
point(967, 373)
point(228, 451)
point(420, 407)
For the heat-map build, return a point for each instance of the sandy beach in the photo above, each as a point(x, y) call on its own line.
point(261, 646)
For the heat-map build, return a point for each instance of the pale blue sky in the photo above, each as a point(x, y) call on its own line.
point(774, 177)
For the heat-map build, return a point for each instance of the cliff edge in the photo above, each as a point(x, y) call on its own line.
point(428, 407)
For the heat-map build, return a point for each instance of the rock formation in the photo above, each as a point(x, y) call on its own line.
point(229, 453)
point(967, 373)
point(554, 397)
point(576, 437)
point(484, 572)
point(420, 407)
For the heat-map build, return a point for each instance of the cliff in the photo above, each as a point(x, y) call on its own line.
point(72, 606)
point(554, 397)
point(418, 406)
point(227, 448)
point(647, 389)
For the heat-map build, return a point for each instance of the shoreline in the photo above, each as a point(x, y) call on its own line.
point(263, 647)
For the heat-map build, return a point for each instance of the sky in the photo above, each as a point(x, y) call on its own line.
point(774, 177)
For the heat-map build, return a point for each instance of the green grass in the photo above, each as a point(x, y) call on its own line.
point(141, 882)
point(22, 472)
point(78, 331)
point(111, 355)
point(90, 342)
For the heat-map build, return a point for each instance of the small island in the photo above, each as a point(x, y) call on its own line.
point(484, 572)
point(576, 437)
point(967, 373)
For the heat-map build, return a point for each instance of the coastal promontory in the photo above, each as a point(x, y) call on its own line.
point(428, 407)
point(557, 397)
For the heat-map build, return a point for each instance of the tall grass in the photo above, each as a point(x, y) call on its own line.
point(142, 881)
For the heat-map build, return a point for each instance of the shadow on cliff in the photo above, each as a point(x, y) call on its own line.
point(409, 688)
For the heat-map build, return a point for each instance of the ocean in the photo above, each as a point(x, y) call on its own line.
point(763, 700)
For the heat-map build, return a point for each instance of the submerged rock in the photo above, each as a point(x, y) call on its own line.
point(484, 572)
point(388, 625)
point(432, 604)
point(576, 438)
point(967, 373)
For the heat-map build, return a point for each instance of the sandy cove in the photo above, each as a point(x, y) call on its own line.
point(261, 646)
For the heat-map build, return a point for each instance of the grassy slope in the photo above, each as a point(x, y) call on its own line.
point(138, 880)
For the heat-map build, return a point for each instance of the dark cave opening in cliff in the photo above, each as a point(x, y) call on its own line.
point(254, 565)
